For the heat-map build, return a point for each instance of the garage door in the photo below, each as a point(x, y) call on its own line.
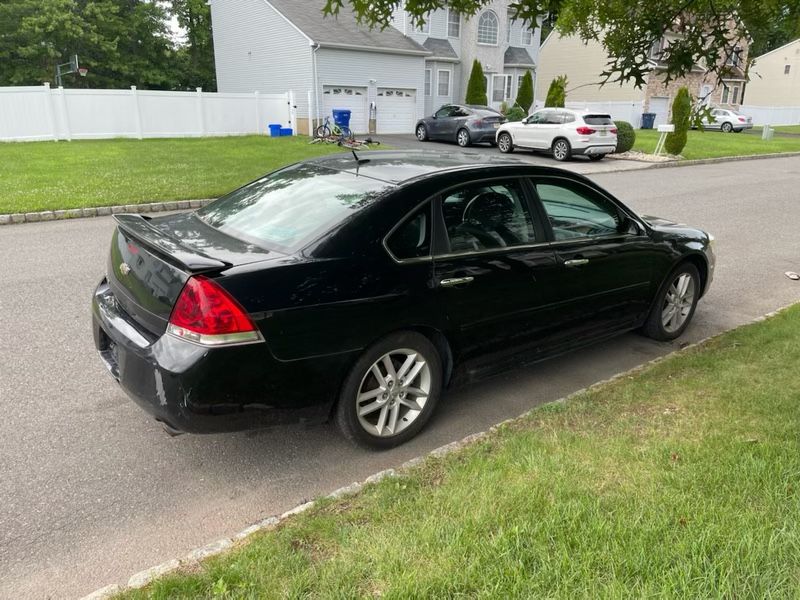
point(660, 106)
point(350, 98)
point(397, 110)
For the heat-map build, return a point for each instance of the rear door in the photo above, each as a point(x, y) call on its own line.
point(488, 270)
point(604, 279)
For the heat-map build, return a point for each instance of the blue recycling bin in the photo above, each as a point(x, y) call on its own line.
point(286, 131)
point(648, 119)
point(341, 117)
point(274, 129)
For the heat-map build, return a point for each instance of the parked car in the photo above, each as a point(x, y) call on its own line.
point(357, 289)
point(464, 124)
point(561, 131)
point(728, 120)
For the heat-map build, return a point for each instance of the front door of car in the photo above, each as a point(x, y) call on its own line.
point(440, 121)
point(604, 281)
point(525, 133)
point(489, 268)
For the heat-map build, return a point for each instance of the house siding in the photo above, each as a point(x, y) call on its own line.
point(256, 49)
point(768, 85)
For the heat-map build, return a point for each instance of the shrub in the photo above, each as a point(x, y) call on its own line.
point(681, 117)
point(557, 93)
point(476, 86)
point(626, 136)
point(525, 92)
point(504, 107)
point(516, 113)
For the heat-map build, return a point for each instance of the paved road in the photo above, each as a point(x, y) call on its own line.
point(92, 489)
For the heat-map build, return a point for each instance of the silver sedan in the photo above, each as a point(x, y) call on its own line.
point(728, 120)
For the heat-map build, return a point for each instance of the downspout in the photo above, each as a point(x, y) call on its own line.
point(315, 81)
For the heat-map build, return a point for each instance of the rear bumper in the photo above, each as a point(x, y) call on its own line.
point(483, 135)
point(595, 149)
point(196, 389)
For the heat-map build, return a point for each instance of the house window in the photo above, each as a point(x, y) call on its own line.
point(443, 83)
point(735, 96)
point(453, 23)
point(500, 87)
point(487, 28)
point(527, 37)
point(733, 57)
point(427, 82)
point(725, 91)
point(425, 28)
point(787, 69)
point(657, 48)
point(508, 87)
point(508, 32)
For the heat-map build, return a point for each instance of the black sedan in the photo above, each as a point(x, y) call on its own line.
point(358, 288)
point(464, 124)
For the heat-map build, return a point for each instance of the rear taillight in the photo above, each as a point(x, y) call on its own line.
point(479, 123)
point(206, 314)
point(585, 130)
point(613, 130)
point(742, 119)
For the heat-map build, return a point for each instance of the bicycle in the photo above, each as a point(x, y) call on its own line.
point(332, 130)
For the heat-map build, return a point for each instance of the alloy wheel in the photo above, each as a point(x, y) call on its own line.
point(727, 127)
point(393, 392)
point(560, 150)
point(504, 142)
point(678, 303)
point(421, 133)
point(463, 138)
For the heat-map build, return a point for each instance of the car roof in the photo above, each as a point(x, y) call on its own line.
point(401, 166)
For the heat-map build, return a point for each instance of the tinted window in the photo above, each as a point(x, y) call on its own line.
point(598, 120)
point(539, 116)
point(444, 111)
point(289, 208)
point(554, 117)
point(567, 118)
point(487, 215)
point(413, 238)
point(575, 211)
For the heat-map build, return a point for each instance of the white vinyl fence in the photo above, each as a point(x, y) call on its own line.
point(40, 113)
point(619, 110)
point(772, 115)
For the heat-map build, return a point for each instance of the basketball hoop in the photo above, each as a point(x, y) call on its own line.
point(83, 71)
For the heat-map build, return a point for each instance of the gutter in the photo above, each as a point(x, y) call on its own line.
point(383, 49)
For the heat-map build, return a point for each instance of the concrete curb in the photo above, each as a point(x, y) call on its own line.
point(146, 577)
point(99, 211)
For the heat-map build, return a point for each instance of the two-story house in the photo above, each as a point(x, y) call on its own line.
point(395, 75)
point(583, 63)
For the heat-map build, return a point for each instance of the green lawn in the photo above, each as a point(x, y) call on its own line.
point(682, 481)
point(714, 144)
point(782, 129)
point(49, 175)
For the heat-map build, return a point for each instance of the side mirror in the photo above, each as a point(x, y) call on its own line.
point(433, 116)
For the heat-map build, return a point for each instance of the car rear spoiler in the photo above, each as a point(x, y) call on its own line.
point(166, 245)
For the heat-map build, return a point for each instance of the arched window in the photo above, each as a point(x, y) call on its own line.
point(487, 28)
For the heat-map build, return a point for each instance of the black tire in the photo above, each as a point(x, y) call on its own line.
point(322, 132)
point(505, 142)
point(726, 127)
point(561, 149)
point(347, 134)
point(346, 416)
point(596, 157)
point(462, 138)
point(654, 327)
point(422, 133)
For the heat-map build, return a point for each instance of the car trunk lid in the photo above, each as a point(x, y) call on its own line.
point(151, 260)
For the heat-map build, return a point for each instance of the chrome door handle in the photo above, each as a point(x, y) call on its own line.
point(576, 262)
point(454, 281)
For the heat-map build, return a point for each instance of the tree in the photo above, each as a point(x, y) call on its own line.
point(476, 86)
point(681, 118)
point(625, 29)
point(525, 92)
point(557, 93)
point(196, 56)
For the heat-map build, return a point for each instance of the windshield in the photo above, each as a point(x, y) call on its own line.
point(598, 119)
point(288, 209)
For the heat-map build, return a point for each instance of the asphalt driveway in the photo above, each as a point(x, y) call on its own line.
point(93, 490)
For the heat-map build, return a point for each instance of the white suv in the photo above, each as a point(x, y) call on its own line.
point(563, 132)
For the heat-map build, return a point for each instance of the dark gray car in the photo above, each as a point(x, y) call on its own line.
point(463, 124)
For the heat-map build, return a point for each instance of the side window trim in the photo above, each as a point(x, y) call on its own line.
point(546, 218)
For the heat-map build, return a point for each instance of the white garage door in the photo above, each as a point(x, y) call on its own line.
point(353, 99)
point(660, 106)
point(397, 110)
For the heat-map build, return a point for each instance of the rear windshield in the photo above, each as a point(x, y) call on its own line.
point(288, 209)
point(598, 119)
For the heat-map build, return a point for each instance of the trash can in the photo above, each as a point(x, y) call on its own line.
point(341, 117)
point(274, 129)
point(286, 131)
point(648, 119)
